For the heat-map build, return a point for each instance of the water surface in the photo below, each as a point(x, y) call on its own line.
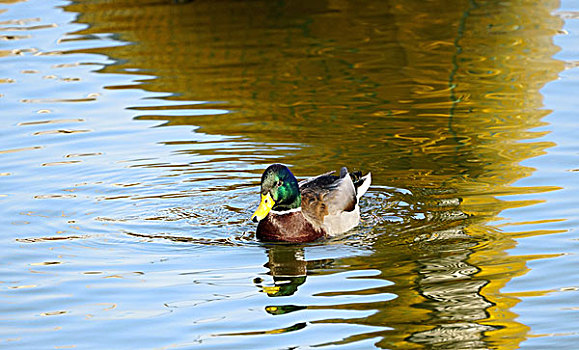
point(135, 133)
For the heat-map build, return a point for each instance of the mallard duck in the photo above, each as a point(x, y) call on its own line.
point(321, 206)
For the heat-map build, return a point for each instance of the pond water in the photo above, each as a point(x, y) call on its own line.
point(135, 133)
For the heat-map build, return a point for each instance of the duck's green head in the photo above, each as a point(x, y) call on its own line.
point(279, 191)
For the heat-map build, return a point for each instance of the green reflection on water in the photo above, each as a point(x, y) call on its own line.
point(436, 97)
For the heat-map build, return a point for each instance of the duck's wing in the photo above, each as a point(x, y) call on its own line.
point(331, 202)
point(308, 180)
point(328, 196)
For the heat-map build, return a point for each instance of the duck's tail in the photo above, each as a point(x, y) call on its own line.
point(361, 183)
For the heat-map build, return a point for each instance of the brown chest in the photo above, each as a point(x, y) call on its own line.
point(291, 227)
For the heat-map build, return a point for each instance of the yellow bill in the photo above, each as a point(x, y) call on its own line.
point(264, 207)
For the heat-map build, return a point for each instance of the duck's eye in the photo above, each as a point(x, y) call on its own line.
point(278, 183)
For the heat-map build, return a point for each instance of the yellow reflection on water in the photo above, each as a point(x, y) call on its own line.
point(439, 97)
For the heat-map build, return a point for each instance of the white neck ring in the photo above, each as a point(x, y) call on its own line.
point(284, 212)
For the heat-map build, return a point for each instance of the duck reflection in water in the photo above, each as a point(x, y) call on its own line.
point(288, 267)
